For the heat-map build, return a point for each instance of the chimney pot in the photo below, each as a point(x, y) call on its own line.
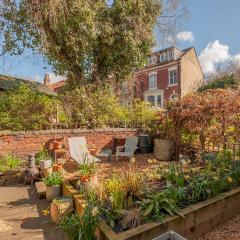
point(46, 80)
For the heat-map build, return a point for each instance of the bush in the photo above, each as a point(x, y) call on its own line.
point(9, 162)
point(26, 109)
point(53, 179)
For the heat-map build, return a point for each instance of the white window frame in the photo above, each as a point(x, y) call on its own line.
point(152, 85)
point(155, 103)
point(169, 76)
point(162, 57)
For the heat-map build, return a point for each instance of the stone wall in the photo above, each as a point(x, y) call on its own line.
point(24, 143)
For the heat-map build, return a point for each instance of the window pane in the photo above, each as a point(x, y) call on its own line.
point(173, 76)
point(159, 100)
point(150, 99)
point(152, 81)
point(171, 55)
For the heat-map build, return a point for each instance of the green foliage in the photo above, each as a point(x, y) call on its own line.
point(71, 225)
point(9, 162)
point(53, 179)
point(90, 41)
point(141, 115)
point(176, 193)
point(228, 81)
point(87, 168)
point(25, 109)
point(42, 155)
point(155, 206)
point(97, 106)
point(175, 175)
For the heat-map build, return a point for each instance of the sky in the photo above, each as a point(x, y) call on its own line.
point(212, 28)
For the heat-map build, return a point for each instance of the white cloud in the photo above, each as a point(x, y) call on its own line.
point(185, 36)
point(216, 53)
point(55, 78)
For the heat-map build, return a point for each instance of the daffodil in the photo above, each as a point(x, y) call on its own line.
point(133, 160)
point(230, 180)
point(94, 211)
point(45, 212)
point(150, 161)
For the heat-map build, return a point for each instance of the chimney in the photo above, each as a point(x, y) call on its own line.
point(46, 80)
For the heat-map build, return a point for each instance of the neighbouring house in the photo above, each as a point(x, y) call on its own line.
point(170, 73)
point(56, 87)
point(8, 83)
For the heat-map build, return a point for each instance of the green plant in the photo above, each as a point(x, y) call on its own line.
point(174, 192)
point(71, 225)
point(42, 155)
point(155, 206)
point(9, 162)
point(175, 175)
point(87, 168)
point(53, 179)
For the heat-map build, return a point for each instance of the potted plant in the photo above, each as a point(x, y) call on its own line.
point(88, 172)
point(43, 159)
point(53, 185)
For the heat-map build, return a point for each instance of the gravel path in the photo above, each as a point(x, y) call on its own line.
point(228, 230)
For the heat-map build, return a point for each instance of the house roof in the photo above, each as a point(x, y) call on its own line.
point(57, 85)
point(10, 83)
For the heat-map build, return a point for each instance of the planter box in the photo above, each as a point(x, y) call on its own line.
point(79, 202)
point(199, 219)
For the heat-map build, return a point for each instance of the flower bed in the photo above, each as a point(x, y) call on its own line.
point(166, 197)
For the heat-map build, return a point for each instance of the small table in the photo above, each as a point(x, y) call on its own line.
point(60, 153)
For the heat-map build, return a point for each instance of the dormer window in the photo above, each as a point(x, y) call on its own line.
point(152, 60)
point(170, 55)
point(162, 57)
point(152, 80)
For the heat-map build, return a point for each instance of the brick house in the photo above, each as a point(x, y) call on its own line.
point(169, 73)
point(56, 87)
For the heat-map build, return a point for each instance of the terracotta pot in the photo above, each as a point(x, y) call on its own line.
point(59, 168)
point(55, 167)
point(93, 151)
point(60, 207)
point(48, 171)
point(57, 145)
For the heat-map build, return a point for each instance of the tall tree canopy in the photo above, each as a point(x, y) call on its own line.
point(87, 40)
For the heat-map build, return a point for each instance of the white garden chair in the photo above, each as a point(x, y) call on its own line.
point(79, 151)
point(128, 149)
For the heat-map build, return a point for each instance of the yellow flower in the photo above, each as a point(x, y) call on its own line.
point(187, 177)
point(188, 161)
point(150, 161)
point(229, 179)
point(215, 178)
point(94, 211)
point(155, 161)
point(133, 160)
point(45, 212)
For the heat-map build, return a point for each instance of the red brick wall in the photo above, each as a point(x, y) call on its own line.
point(142, 82)
point(24, 143)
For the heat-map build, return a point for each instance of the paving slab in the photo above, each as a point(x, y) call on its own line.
point(21, 215)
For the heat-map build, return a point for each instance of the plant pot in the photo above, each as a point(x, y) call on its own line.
point(88, 181)
point(53, 192)
point(93, 151)
point(163, 149)
point(60, 207)
point(57, 145)
point(44, 164)
point(48, 171)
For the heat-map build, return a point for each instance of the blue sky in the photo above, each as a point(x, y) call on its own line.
point(212, 28)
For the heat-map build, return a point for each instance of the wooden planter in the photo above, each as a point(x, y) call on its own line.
point(198, 218)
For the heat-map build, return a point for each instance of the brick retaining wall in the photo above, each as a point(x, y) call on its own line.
point(23, 143)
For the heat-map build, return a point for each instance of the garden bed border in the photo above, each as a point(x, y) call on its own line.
point(198, 218)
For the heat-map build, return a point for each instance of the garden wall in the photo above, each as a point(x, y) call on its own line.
point(23, 143)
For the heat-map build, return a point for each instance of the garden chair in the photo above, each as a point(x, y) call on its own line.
point(79, 151)
point(128, 149)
